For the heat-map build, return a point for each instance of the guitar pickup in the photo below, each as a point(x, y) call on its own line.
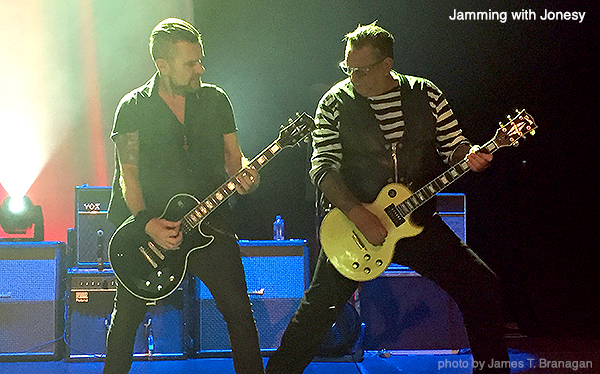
point(144, 252)
point(394, 214)
point(358, 241)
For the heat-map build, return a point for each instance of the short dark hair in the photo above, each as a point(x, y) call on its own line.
point(373, 35)
point(167, 33)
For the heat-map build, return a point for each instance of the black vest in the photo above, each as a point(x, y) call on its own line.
point(367, 162)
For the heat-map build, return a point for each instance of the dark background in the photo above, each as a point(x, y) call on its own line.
point(530, 216)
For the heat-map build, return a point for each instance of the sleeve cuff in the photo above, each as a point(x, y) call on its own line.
point(142, 218)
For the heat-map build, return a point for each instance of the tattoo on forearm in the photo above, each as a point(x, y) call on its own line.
point(128, 148)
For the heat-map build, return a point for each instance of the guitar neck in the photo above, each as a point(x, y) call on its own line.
point(428, 191)
point(507, 135)
point(226, 190)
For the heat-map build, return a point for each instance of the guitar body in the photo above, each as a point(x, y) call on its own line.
point(147, 270)
point(347, 248)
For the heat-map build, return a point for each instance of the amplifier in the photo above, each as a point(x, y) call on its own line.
point(405, 311)
point(30, 307)
point(277, 274)
point(93, 230)
point(91, 294)
point(452, 208)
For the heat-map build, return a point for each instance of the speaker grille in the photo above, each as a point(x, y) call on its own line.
point(452, 209)
point(404, 311)
point(28, 298)
point(274, 277)
point(88, 226)
point(277, 274)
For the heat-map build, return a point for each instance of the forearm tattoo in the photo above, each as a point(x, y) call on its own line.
point(128, 148)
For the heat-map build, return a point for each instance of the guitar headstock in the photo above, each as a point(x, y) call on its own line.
point(297, 130)
point(516, 128)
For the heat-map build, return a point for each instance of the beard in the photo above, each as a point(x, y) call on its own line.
point(192, 86)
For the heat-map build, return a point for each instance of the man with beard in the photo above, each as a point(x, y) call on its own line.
point(176, 134)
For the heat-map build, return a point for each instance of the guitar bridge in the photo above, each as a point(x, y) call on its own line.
point(156, 250)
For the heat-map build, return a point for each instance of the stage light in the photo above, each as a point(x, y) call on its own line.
point(17, 215)
point(16, 205)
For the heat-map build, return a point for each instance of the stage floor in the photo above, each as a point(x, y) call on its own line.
point(528, 355)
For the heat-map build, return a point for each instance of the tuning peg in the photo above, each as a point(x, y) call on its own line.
point(532, 132)
point(516, 144)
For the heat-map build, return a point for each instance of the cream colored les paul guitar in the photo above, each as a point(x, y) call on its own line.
point(356, 258)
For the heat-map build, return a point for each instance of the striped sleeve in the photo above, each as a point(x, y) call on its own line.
point(327, 148)
point(448, 133)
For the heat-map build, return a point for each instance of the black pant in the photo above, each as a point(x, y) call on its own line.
point(219, 266)
point(436, 253)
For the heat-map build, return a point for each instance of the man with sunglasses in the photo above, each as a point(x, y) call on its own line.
point(373, 128)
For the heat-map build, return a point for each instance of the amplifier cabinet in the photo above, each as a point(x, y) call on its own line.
point(93, 230)
point(453, 210)
point(277, 274)
point(30, 308)
point(404, 311)
point(91, 294)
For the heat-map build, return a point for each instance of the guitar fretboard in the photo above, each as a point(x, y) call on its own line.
point(425, 193)
point(507, 135)
point(221, 194)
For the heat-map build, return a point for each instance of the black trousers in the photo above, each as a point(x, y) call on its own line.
point(436, 253)
point(219, 266)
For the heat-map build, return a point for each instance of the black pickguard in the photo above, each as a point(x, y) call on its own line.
point(153, 274)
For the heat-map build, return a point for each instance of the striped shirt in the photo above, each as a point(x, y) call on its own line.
point(387, 108)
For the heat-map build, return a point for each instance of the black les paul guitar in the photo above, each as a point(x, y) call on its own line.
point(152, 273)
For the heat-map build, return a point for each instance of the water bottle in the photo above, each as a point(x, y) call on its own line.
point(278, 227)
point(150, 336)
